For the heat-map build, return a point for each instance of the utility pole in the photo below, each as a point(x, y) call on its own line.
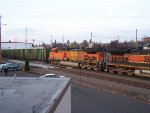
point(136, 40)
point(0, 41)
point(51, 42)
point(26, 39)
point(51, 39)
point(63, 41)
point(91, 41)
point(33, 41)
point(118, 38)
point(15, 42)
point(91, 37)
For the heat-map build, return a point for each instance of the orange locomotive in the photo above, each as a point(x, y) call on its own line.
point(119, 61)
point(131, 62)
point(89, 58)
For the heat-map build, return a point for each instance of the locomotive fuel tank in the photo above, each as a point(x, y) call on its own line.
point(71, 64)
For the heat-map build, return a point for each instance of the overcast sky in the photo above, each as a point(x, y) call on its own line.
point(75, 19)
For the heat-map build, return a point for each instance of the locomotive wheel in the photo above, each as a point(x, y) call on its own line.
point(56, 63)
point(83, 65)
point(96, 69)
point(92, 66)
point(51, 62)
point(130, 73)
point(119, 71)
point(111, 70)
point(88, 67)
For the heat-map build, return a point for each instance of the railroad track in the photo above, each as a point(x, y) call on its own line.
point(126, 80)
point(134, 87)
point(122, 79)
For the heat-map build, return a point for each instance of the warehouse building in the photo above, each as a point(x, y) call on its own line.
point(16, 45)
point(35, 95)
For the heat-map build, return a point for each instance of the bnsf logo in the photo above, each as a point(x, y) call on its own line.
point(147, 58)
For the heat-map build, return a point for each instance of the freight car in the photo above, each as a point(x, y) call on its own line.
point(89, 58)
point(22, 54)
point(130, 62)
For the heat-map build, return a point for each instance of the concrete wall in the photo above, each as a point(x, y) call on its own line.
point(65, 104)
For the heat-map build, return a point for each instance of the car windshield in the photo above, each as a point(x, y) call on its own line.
point(51, 76)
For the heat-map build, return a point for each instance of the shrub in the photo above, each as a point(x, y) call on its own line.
point(26, 67)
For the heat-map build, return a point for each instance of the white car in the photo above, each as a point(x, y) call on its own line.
point(52, 76)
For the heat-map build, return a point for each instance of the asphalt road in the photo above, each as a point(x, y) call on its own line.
point(88, 100)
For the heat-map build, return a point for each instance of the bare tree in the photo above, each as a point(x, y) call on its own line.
point(114, 44)
point(84, 44)
point(74, 45)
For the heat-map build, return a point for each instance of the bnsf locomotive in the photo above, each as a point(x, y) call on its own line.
point(90, 58)
point(120, 61)
point(131, 62)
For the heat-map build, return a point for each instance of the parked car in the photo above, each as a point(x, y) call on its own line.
point(12, 66)
point(52, 76)
point(2, 66)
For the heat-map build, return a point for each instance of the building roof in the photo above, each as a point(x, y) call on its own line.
point(16, 42)
point(25, 95)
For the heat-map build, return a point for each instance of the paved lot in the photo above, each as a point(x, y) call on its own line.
point(87, 100)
